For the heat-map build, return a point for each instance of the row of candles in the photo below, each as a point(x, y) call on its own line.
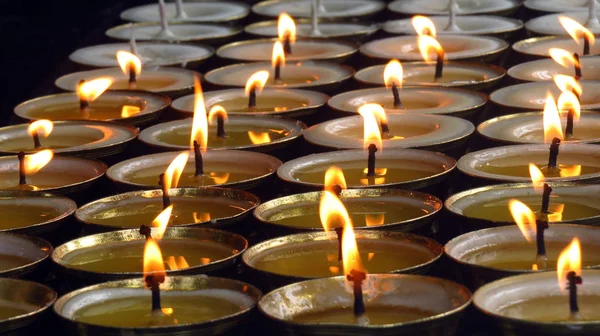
point(185, 300)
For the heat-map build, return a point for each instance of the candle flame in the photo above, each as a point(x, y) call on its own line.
point(570, 170)
point(562, 57)
point(335, 176)
point(43, 125)
point(129, 111)
point(37, 161)
point(393, 74)
point(278, 55)
point(332, 212)
point(556, 214)
point(175, 169)
point(423, 25)
point(219, 177)
point(127, 61)
point(199, 123)
point(576, 30)
point(524, 218)
point(537, 177)
point(372, 134)
point(350, 255)
point(161, 222)
point(258, 138)
point(202, 217)
point(93, 89)
point(551, 118)
point(568, 260)
point(153, 260)
point(286, 28)
point(569, 101)
point(568, 84)
point(177, 264)
point(428, 45)
point(216, 111)
point(256, 81)
point(375, 219)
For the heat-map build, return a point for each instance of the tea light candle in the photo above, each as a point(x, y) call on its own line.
point(213, 34)
point(550, 24)
point(441, 7)
point(546, 69)
point(205, 11)
point(23, 313)
point(205, 207)
point(328, 9)
point(20, 256)
point(352, 31)
point(556, 6)
point(151, 54)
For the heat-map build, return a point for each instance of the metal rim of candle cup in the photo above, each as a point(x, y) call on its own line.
point(501, 12)
point(192, 62)
point(319, 85)
point(172, 283)
point(70, 81)
point(482, 273)
point(126, 16)
point(447, 133)
point(363, 29)
point(464, 164)
point(312, 289)
point(259, 251)
point(484, 56)
point(16, 291)
point(259, 7)
point(499, 74)
point(146, 115)
point(314, 100)
point(337, 100)
point(68, 208)
point(235, 241)
point(285, 171)
point(150, 136)
point(499, 33)
point(339, 57)
point(478, 223)
point(103, 147)
point(85, 213)
point(513, 119)
point(41, 246)
point(537, 282)
point(520, 71)
point(434, 203)
point(521, 47)
point(233, 31)
point(229, 154)
point(94, 169)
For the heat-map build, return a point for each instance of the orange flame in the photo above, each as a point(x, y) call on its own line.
point(567, 101)
point(219, 178)
point(127, 61)
point(334, 176)
point(161, 221)
point(199, 123)
point(375, 219)
point(216, 111)
point(556, 214)
point(153, 260)
point(256, 81)
point(576, 30)
point(129, 111)
point(46, 126)
point(537, 177)
point(568, 260)
point(427, 45)
point(203, 217)
point(423, 25)
point(175, 169)
point(259, 137)
point(562, 57)
point(570, 170)
point(278, 55)
point(350, 255)
point(286, 28)
point(372, 134)
point(177, 264)
point(393, 73)
point(93, 89)
point(552, 125)
point(37, 161)
point(332, 212)
point(524, 218)
point(568, 84)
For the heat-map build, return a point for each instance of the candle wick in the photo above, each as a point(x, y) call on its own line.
point(546, 198)
point(553, 157)
point(439, 64)
point(180, 10)
point(573, 280)
point(314, 13)
point(36, 139)
point(146, 231)
point(337, 190)
point(153, 281)
point(165, 191)
point(277, 71)
point(132, 43)
point(357, 278)
point(132, 76)
point(569, 129)
point(165, 32)
point(221, 127)
point(592, 20)
point(577, 65)
point(541, 224)
point(198, 160)
point(452, 17)
point(586, 45)
point(339, 231)
point(252, 97)
point(83, 102)
point(397, 101)
point(22, 179)
point(371, 160)
point(287, 46)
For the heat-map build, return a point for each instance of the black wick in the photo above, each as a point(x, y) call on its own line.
point(397, 101)
point(146, 231)
point(21, 157)
point(221, 126)
point(132, 76)
point(153, 281)
point(439, 64)
point(252, 96)
point(546, 198)
point(541, 225)
point(36, 139)
point(357, 278)
point(339, 231)
point(577, 65)
point(371, 160)
point(573, 280)
point(552, 159)
point(287, 46)
point(83, 103)
point(198, 159)
point(165, 191)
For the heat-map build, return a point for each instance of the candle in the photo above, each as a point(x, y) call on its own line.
point(34, 213)
point(331, 9)
point(24, 312)
point(20, 255)
point(442, 7)
point(210, 11)
point(204, 33)
point(562, 62)
point(351, 31)
point(550, 24)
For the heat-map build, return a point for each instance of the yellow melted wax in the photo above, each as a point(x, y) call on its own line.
point(522, 255)
point(575, 207)
point(377, 315)
point(136, 311)
point(96, 111)
point(507, 168)
point(581, 132)
point(277, 104)
point(147, 84)
point(322, 261)
point(128, 257)
point(396, 132)
point(8, 262)
point(237, 135)
point(184, 212)
point(447, 77)
point(362, 214)
point(54, 141)
point(13, 216)
point(214, 175)
point(41, 180)
point(554, 308)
